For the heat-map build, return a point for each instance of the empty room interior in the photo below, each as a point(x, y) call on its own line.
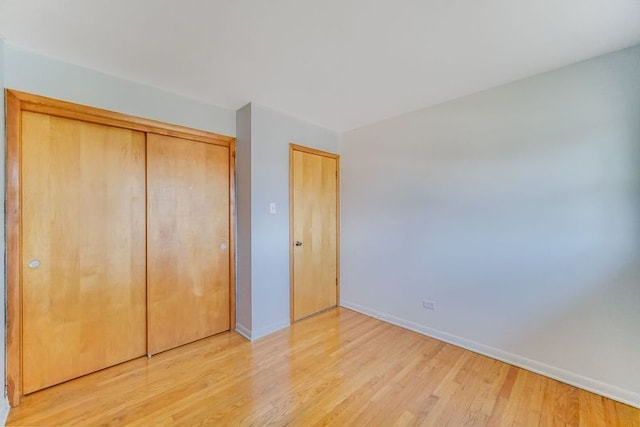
point(376, 213)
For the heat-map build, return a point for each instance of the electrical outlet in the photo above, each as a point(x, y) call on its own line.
point(428, 305)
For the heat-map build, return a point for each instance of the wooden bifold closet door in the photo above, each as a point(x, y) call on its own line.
point(120, 239)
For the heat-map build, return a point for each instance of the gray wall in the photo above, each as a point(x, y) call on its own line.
point(243, 201)
point(271, 133)
point(45, 76)
point(517, 210)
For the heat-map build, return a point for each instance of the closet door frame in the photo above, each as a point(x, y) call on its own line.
point(16, 103)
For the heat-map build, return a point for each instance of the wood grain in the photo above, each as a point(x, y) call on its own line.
point(83, 218)
point(337, 368)
point(188, 244)
point(18, 102)
point(309, 150)
point(314, 217)
point(14, 258)
point(54, 107)
point(232, 235)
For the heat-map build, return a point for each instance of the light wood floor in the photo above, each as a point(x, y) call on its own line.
point(338, 368)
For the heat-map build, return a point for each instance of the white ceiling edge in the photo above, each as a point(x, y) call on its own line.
point(496, 86)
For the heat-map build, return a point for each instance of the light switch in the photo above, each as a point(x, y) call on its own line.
point(272, 207)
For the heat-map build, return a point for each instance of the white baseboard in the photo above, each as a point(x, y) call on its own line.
point(252, 335)
point(244, 331)
point(269, 329)
point(608, 390)
point(4, 411)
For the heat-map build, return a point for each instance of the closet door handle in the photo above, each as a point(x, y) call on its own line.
point(298, 243)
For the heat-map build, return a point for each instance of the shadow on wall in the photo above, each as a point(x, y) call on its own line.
point(603, 313)
point(602, 307)
point(523, 225)
point(516, 210)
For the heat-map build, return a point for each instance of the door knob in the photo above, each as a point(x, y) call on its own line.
point(34, 263)
point(298, 243)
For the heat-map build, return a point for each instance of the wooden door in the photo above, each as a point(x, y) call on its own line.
point(83, 248)
point(314, 231)
point(188, 241)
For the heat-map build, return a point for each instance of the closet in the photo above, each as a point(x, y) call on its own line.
point(119, 239)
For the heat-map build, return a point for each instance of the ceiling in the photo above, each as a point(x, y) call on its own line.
point(337, 63)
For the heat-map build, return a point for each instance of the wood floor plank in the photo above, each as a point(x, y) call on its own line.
point(548, 405)
point(591, 409)
point(338, 368)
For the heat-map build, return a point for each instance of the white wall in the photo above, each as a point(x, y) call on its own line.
point(30, 72)
point(517, 210)
point(270, 135)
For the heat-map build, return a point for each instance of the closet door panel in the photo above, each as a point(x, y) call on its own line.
point(83, 248)
point(188, 241)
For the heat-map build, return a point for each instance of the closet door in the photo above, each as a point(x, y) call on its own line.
point(83, 248)
point(188, 241)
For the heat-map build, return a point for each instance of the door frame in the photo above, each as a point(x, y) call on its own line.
point(292, 148)
point(16, 103)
